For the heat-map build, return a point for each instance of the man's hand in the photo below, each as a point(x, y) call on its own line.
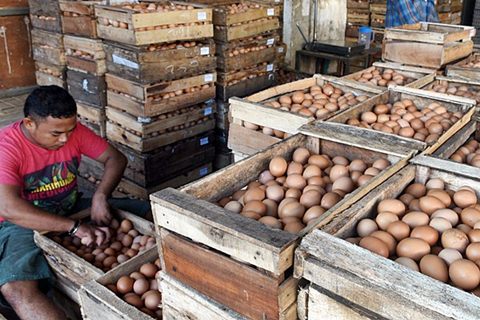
point(89, 235)
point(100, 211)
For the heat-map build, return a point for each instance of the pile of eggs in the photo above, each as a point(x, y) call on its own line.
point(403, 118)
point(241, 7)
point(266, 130)
point(174, 45)
point(49, 71)
point(475, 63)
point(382, 77)
point(78, 53)
point(125, 243)
point(429, 229)
point(152, 7)
point(468, 153)
point(289, 195)
point(140, 289)
point(457, 90)
point(318, 101)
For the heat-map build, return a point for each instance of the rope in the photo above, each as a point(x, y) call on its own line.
point(27, 23)
point(3, 33)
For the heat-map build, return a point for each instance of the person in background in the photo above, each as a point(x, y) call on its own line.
point(39, 160)
point(400, 12)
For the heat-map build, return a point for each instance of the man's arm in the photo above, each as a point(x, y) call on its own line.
point(115, 163)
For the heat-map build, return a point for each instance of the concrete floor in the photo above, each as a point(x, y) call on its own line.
point(11, 109)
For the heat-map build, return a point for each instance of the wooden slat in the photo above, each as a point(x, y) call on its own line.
point(248, 142)
point(141, 20)
point(226, 34)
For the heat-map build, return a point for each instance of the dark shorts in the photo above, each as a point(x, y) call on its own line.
point(22, 260)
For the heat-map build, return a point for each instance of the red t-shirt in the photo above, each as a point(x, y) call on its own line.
point(48, 178)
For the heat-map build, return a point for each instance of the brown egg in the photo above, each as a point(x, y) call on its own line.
point(254, 193)
point(344, 184)
point(312, 171)
point(312, 213)
point(125, 284)
point(406, 198)
point(134, 300)
point(363, 179)
point(148, 270)
point(391, 205)
point(126, 225)
point(271, 222)
point(141, 286)
point(450, 255)
point(294, 168)
point(427, 233)
point(399, 230)
point(329, 200)
point(109, 261)
point(310, 198)
point(296, 181)
point(407, 262)
point(413, 248)
point(153, 299)
point(435, 267)
point(301, 155)
point(127, 240)
point(464, 274)
point(278, 166)
point(338, 171)
point(255, 206)
point(366, 226)
point(464, 228)
point(416, 218)
point(294, 227)
point(251, 214)
point(292, 209)
point(440, 224)
point(470, 216)
point(454, 239)
point(381, 164)
point(358, 165)
point(441, 195)
point(464, 198)
point(384, 219)
point(473, 251)
point(414, 205)
point(387, 238)
point(430, 204)
point(234, 206)
point(474, 235)
point(375, 245)
point(435, 184)
point(447, 214)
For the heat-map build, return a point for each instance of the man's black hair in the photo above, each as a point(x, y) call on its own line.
point(51, 101)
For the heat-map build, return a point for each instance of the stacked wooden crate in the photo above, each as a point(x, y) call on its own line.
point(358, 14)
point(47, 42)
point(449, 11)
point(476, 21)
point(160, 84)
point(86, 64)
point(378, 11)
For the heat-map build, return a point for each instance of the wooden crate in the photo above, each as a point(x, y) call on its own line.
point(358, 16)
point(227, 250)
point(473, 86)
point(421, 99)
point(182, 302)
point(78, 17)
point(246, 87)
point(145, 66)
point(48, 47)
point(237, 76)
point(460, 70)
point(254, 21)
point(146, 135)
point(99, 302)
point(231, 57)
point(87, 88)
point(358, 4)
point(93, 117)
point(85, 55)
point(50, 75)
point(45, 15)
point(73, 271)
point(139, 99)
point(156, 27)
point(357, 284)
point(430, 45)
point(253, 109)
point(150, 169)
point(418, 75)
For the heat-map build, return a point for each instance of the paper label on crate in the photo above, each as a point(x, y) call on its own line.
point(269, 67)
point(280, 49)
point(202, 15)
point(144, 119)
point(125, 62)
point(203, 171)
point(208, 77)
point(204, 141)
point(208, 111)
point(204, 51)
point(270, 41)
point(270, 11)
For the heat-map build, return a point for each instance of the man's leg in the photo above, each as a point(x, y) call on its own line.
point(29, 302)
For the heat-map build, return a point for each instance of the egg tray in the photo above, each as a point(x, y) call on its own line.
point(347, 276)
point(421, 99)
point(93, 48)
point(73, 271)
point(84, 23)
point(99, 302)
point(253, 110)
point(241, 253)
point(459, 70)
point(419, 75)
point(473, 86)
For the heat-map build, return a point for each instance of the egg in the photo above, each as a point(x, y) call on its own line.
point(338, 171)
point(254, 193)
point(272, 222)
point(399, 230)
point(427, 233)
point(301, 155)
point(310, 198)
point(464, 198)
point(413, 248)
point(141, 286)
point(275, 193)
point(126, 225)
point(312, 213)
point(374, 245)
point(407, 262)
point(344, 184)
point(294, 227)
point(384, 219)
point(234, 206)
point(329, 200)
point(435, 267)
point(153, 299)
point(416, 218)
point(447, 214)
point(441, 195)
point(125, 284)
point(454, 239)
point(440, 224)
point(148, 270)
point(366, 226)
point(386, 238)
point(134, 300)
point(392, 205)
point(278, 166)
point(256, 206)
point(296, 181)
point(464, 274)
point(435, 184)
point(473, 251)
point(292, 209)
point(470, 216)
point(430, 204)
point(450, 255)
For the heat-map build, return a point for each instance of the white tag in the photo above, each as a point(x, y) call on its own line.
point(270, 41)
point(269, 67)
point(125, 62)
point(207, 111)
point(280, 49)
point(270, 11)
point(277, 1)
point(202, 15)
point(203, 171)
point(204, 51)
point(204, 141)
point(144, 119)
point(208, 77)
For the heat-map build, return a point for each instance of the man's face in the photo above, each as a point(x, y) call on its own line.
point(50, 133)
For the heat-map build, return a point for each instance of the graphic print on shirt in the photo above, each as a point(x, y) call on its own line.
point(53, 188)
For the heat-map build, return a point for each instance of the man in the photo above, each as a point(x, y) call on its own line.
point(39, 159)
point(400, 12)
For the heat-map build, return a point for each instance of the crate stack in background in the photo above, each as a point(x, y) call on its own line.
point(47, 42)
point(249, 49)
point(378, 12)
point(86, 63)
point(476, 22)
point(449, 11)
point(358, 14)
point(160, 81)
